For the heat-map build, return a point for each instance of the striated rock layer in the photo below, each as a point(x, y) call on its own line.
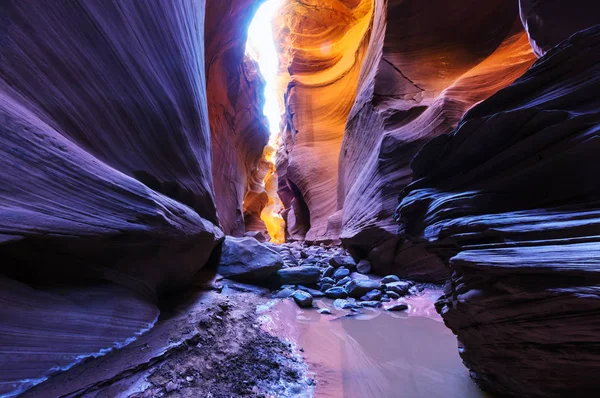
point(511, 199)
point(323, 46)
point(80, 68)
point(370, 82)
point(549, 22)
point(106, 196)
point(239, 130)
point(428, 63)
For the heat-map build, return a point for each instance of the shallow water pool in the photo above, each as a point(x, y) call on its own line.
point(376, 353)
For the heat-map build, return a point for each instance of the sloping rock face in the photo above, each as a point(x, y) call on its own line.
point(246, 259)
point(324, 44)
point(60, 60)
point(511, 198)
point(549, 22)
point(424, 69)
point(239, 130)
point(46, 331)
point(105, 175)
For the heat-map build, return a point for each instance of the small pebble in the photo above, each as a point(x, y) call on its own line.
point(341, 273)
point(302, 298)
point(363, 266)
point(356, 275)
point(342, 261)
point(373, 295)
point(328, 280)
point(390, 279)
point(344, 304)
point(397, 307)
point(326, 286)
point(343, 281)
point(313, 292)
point(400, 287)
point(328, 272)
point(283, 293)
point(336, 293)
point(293, 287)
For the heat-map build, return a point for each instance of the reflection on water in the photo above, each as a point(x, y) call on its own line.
point(376, 353)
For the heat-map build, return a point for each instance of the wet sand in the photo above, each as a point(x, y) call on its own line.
point(377, 353)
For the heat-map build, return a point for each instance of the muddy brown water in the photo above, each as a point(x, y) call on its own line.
point(376, 353)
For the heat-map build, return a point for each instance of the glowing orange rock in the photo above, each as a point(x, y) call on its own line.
point(271, 213)
point(370, 83)
point(322, 44)
point(239, 129)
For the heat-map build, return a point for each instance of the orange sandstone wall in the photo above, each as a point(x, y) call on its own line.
point(323, 47)
point(431, 63)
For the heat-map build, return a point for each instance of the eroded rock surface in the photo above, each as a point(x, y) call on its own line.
point(77, 67)
point(209, 344)
point(369, 84)
point(324, 44)
point(511, 199)
point(106, 197)
point(239, 130)
point(325, 267)
point(247, 259)
point(549, 22)
point(424, 69)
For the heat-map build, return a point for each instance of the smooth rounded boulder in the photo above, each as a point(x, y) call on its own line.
point(399, 287)
point(246, 259)
point(390, 279)
point(341, 273)
point(397, 307)
point(302, 298)
point(342, 261)
point(336, 293)
point(359, 287)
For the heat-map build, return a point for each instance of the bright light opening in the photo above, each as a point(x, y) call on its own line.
point(261, 47)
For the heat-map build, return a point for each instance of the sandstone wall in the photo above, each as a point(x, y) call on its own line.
point(323, 46)
point(239, 130)
point(510, 201)
point(106, 177)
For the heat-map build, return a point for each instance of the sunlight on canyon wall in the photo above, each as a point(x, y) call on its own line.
point(324, 43)
point(261, 47)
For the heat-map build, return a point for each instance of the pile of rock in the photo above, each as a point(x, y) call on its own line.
point(338, 276)
point(304, 272)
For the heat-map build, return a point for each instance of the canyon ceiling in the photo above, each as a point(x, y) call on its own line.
point(449, 142)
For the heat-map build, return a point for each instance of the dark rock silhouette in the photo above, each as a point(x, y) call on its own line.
point(510, 200)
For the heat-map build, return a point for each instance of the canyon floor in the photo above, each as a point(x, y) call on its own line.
point(222, 338)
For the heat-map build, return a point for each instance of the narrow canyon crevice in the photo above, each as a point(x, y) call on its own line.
point(265, 198)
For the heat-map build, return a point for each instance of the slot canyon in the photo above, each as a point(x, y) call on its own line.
point(299, 198)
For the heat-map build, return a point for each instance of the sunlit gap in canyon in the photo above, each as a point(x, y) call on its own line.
point(261, 47)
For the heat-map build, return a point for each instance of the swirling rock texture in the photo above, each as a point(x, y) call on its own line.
point(324, 44)
point(549, 22)
point(118, 165)
point(239, 130)
point(370, 82)
point(511, 198)
point(105, 174)
point(425, 68)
